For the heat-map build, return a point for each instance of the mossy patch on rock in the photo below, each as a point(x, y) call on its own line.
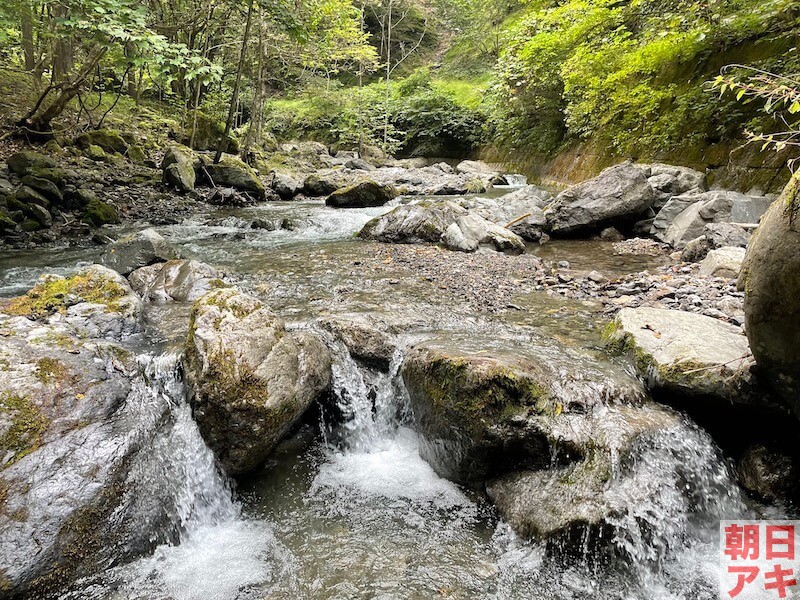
point(56, 294)
point(27, 424)
point(99, 213)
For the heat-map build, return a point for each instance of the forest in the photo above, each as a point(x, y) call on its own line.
point(399, 299)
point(436, 78)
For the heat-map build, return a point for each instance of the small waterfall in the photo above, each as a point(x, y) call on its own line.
point(372, 403)
point(177, 467)
point(213, 552)
point(373, 455)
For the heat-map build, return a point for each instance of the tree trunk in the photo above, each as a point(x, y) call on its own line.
point(253, 137)
point(27, 39)
point(235, 97)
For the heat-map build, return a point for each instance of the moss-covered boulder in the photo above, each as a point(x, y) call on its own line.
point(771, 281)
point(95, 302)
point(482, 413)
point(22, 162)
point(95, 153)
point(361, 195)
point(178, 168)
point(92, 448)
point(231, 172)
point(98, 213)
point(314, 185)
point(252, 380)
point(687, 354)
point(110, 141)
point(45, 187)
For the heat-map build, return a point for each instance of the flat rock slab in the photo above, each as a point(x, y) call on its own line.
point(723, 262)
point(687, 353)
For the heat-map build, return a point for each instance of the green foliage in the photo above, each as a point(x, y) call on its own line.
point(631, 75)
point(426, 117)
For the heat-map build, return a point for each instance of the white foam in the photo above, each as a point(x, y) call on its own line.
point(212, 563)
point(392, 470)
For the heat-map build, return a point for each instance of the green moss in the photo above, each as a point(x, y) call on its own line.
point(52, 371)
point(97, 213)
point(28, 424)
point(477, 392)
point(51, 296)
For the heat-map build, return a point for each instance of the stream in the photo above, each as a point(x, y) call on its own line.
point(351, 510)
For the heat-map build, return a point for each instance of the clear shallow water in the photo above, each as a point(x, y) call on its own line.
point(353, 511)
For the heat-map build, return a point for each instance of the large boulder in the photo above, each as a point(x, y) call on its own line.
point(723, 262)
point(137, 250)
point(315, 186)
point(471, 231)
point(94, 302)
point(175, 281)
point(568, 447)
point(178, 168)
point(475, 167)
point(93, 468)
point(361, 195)
point(230, 172)
point(110, 141)
point(482, 413)
point(616, 197)
point(251, 379)
point(579, 500)
point(414, 223)
point(771, 281)
point(687, 354)
point(712, 207)
point(286, 186)
point(24, 162)
point(670, 180)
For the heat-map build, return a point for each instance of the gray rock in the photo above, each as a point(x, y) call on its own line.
point(579, 500)
point(45, 187)
point(768, 473)
point(615, 197)
point(687, 354)
point(315, 186)
point(230, 172)
point(359, 164)
point(414, 223)
point(361, 195)
point(723, 262)
point(721, 235)
point(251, 379)
point(475, 167)
point(367, 344)
point(611, 234)
point(713, 207)
point(137, 250)
point(471, 231)
point(178, 168)
point(285, 186)
point(482, 412)
point(771, 281)
point(175, 281)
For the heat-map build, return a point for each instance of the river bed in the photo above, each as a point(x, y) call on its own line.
point(352, 511)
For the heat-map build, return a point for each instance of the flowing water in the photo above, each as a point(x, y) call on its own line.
point(349, 509)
